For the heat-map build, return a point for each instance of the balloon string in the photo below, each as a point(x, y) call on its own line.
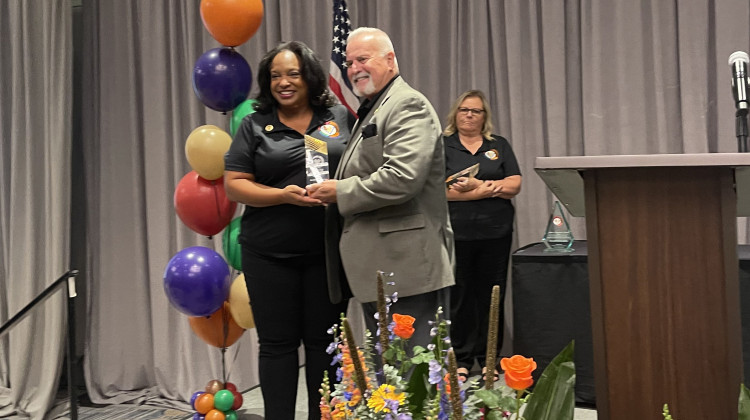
point(225, 324)
point(224, 364)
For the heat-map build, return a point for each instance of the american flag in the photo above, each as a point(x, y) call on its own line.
point(337, 80)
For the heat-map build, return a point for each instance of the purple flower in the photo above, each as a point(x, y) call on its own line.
point(435, 372)
point(392, 405)
point(339, 374)
point(337, 358)
point(331, 348)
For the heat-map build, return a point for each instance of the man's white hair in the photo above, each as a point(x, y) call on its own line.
point(382, 40)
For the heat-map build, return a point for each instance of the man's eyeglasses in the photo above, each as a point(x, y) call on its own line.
point(475, 111)
point(360, 60)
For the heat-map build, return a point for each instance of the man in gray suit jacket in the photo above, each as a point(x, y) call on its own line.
point(390, 191)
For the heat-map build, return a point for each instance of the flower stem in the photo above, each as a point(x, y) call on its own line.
point(382, 317)
point(456, 404)
point(359, 371)
point(491, 359)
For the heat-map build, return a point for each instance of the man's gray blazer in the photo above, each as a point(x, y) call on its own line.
point(391, 196)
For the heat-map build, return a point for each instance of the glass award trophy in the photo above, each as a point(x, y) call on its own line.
point(316, 160)
point(557, 237)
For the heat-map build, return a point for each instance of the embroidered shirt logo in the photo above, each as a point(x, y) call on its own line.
point(329, 129)
point(491, 154)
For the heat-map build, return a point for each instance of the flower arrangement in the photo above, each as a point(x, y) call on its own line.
point(389, 380)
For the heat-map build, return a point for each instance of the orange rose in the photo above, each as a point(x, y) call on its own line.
point(403, 327)
point(518, 371)
point(447, 379)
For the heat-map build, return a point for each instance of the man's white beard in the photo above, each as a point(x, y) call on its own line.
point(368, 90)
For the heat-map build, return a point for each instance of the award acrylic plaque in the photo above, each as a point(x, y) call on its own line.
point(316, 160)
point(557, 237)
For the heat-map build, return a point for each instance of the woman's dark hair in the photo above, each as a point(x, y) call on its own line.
point(312, 74)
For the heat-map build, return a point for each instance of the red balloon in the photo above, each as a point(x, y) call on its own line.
point(211, 329)
point(232, 22)
point(203, 205)
point(237, 400)
point(230, 386)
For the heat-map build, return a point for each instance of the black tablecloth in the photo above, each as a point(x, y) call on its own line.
point(551, 307)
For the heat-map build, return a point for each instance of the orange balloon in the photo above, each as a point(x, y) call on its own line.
point(215, 415)
point(232, 22)
point(204, 403)
point(211, 328)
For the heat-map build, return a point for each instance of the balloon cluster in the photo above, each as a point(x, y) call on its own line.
point(197, 279)
point(219, 401)
point(222, 77)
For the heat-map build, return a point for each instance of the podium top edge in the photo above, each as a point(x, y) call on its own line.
point(634, 161)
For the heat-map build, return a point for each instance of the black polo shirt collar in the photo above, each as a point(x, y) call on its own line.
point(367, 104)
point(271, 123)
point(454, 142)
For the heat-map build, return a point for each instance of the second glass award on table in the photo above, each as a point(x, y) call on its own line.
point(558, 237)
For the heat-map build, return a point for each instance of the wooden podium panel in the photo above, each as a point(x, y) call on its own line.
point(664, 289)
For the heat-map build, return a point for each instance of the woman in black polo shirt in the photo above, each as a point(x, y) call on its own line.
point(482, 218)
point(282, 228)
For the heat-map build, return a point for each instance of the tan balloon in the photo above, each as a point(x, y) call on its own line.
point(239, 303)
point(205, 148)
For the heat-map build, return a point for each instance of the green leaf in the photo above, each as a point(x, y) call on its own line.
point(744, 405)
point(418, 388)
point(490, 398)
point(495, 399)
point(554, 394)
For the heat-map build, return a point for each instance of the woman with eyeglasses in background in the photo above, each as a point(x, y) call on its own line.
point(482, 217)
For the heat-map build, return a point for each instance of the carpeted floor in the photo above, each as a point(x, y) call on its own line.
point(124, 412)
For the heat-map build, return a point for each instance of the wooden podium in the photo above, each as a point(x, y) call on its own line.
point(663, 272)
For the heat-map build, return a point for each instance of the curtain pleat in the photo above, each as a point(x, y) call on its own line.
point(35, 156)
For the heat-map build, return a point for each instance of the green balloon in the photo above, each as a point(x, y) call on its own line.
point(231, 415)
point(223, 400)
point(242, 110)
point(231, 245)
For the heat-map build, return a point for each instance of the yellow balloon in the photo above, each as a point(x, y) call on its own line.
point(205, 148)
point(239, 303)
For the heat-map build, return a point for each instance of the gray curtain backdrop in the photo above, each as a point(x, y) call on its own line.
point(564, 78)
point(35, 168)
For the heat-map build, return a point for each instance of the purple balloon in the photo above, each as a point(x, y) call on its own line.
point(194, 397)
point(197, 416)
point(222, 79)
point(197, 281)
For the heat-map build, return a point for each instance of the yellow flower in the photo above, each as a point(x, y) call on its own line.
point(384, 394)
